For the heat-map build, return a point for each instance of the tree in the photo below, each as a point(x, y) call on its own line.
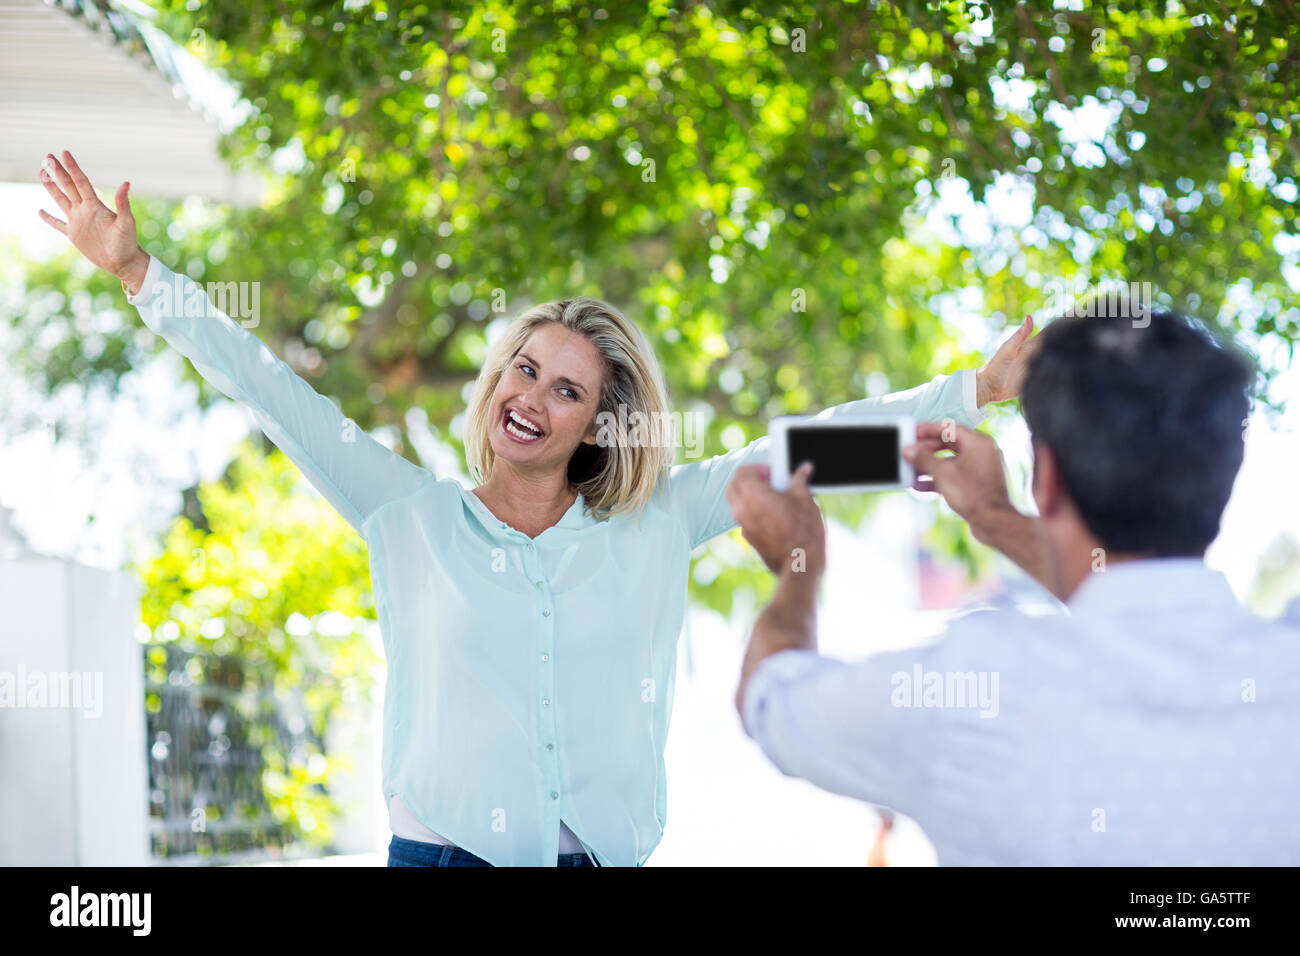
point(270, 603)
point(755, 184)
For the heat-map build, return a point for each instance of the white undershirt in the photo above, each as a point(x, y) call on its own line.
point(404, 824)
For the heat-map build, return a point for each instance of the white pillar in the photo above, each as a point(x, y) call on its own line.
point(73, 772)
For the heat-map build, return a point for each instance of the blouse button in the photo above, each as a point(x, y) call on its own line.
point(546, 612)
point(554, 795)
point(546, 657)
point(550, 746)
point(546, 702)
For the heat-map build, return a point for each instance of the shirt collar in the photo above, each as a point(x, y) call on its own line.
point(1153, 584)
point(561, 533)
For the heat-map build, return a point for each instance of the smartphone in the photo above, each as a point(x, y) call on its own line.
point(849, 453)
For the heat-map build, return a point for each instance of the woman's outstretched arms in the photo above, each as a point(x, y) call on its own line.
point(354, 472)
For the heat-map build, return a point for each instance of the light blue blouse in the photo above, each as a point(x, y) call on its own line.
point(529, 680)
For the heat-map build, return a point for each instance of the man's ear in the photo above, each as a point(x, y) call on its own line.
point(1049, 491)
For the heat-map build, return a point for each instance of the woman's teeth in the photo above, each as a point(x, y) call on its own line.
point(520, 428)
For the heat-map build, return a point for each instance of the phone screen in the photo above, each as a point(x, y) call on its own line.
point(847, 454)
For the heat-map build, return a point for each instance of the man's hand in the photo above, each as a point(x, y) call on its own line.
point(785, 528)
point(972, 482)
point(787, 531)
point(975, 486)
point(106, 238)
point(1001, 379)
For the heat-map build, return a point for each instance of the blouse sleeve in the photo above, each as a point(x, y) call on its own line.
point(698, 489)
point(354, 472)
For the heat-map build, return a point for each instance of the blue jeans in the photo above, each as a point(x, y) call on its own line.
point(414, 853)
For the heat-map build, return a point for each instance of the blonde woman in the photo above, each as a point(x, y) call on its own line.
point(530, 624)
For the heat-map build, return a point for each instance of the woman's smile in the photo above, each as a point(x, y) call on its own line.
point(520, 428)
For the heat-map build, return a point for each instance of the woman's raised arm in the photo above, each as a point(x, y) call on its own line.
point(699, 488)
point(354, 472)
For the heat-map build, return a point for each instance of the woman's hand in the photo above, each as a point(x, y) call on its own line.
point(106, 238)
point(1001, 379)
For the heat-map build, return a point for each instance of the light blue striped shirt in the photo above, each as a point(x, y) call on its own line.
point(1153, 721)
point(530, 681)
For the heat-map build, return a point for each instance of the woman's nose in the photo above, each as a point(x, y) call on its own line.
point(533, 396)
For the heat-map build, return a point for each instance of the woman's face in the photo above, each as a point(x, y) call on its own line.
point(553, 384)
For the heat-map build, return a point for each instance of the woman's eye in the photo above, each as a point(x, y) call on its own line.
point(527, 370)
point(570, 393)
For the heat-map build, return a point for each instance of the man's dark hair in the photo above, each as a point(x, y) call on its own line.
point(1146, 422)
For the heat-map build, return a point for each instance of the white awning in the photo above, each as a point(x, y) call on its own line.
point(129, 103)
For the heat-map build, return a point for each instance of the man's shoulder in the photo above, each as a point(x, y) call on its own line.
point(1011, 617)
point(1004, 635)
point(1291, 616)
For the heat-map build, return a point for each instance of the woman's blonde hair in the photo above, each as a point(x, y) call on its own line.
point(617, 474)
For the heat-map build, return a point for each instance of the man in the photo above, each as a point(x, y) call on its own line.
point(1153, 721)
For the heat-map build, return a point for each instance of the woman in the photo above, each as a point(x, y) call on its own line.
point(530, 624)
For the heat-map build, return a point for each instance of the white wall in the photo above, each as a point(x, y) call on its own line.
point(73, 777)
